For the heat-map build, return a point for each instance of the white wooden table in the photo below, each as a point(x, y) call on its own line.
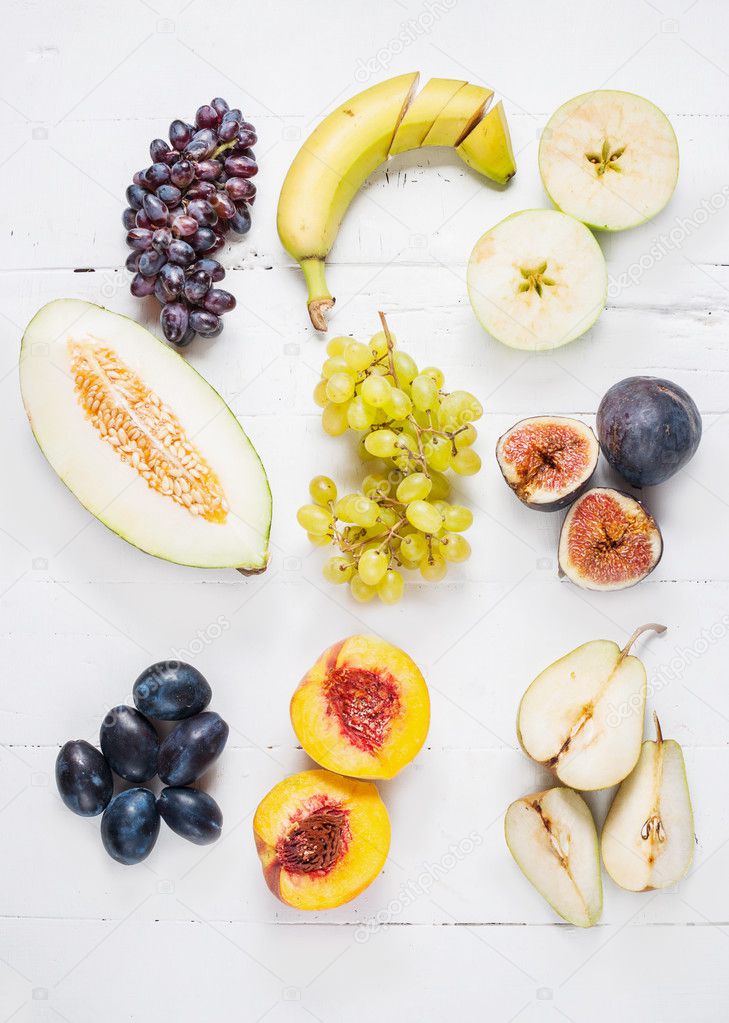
point(450, 928)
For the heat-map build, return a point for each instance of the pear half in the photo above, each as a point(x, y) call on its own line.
point(583, 715)
point(648, 836)
point(552, 837)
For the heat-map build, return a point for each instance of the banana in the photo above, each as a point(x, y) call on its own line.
point(344, 149)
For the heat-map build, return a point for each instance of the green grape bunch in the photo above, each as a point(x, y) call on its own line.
point(401, 518)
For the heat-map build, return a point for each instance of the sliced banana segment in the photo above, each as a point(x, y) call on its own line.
point(610, 159)
point(459, 116)
point(537, 280)
point(422, 113)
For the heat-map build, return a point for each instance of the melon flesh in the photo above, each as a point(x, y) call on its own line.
point(142, 440)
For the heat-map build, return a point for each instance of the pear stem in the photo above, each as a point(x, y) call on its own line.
point(652, 627)
point(659, 733)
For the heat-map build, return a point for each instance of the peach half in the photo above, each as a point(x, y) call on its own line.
point(322, 839)
point(363, 709)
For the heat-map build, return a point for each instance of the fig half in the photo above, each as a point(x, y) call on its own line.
point(548, 461)
point(608, 541)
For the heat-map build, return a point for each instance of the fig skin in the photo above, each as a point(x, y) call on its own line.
point(560, 503)
point(649, 428)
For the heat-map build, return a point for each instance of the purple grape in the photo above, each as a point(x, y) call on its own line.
point(186, 338)
point(209, 170)
point(219, 242)
point(169, 195)
point(206, 117)
point(202, 145)
point(218, 301)
point(180, 134)
point(201, 190)
point(247, 135)
point(132, 261)
point(184, 225)
point(229, 127)
point(143, 220)
point(219, 106)
point(156, 210)
point(174, 321)
point(160, 292)
point(129, 218)
point(172, 157)
point(237, 114)
point(211, 267)
point(158, 150)
point(161, 238)
point(139, 239)
point(135, 196)
point(223, 205)
point(203, 212)
point(173, 278)
point(138, 179)
point(156, 175)
point(151, 262)
point(182, 174)
point(241, 166)
point(203, 239)
point(196, 287)
point(237, 188)
point(142, 286)
point(241, 222)
point(181, 253)
point(204, 323)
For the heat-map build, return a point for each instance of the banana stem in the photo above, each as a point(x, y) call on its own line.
point(652, 626)
point(319, 300)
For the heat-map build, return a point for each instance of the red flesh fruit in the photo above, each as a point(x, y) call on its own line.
point(547, 460)
point(365, 702)
point(316, 841)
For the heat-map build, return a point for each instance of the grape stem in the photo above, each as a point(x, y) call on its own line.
point(390, 346)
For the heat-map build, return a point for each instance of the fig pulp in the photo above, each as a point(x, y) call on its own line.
point(608, 541)
point(648, 428)
point(548, 461)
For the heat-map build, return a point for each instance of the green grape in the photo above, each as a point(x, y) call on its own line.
point(398, 405)
point(357, 509)
point(360, 415)
point(389, 517)
point(320, 541)
point(456, 518)
point(435, 374)
point(466, 462)
point(438, 453)
point(337, 345)
point(360, 590)
point(454, 547)
point(466, 436)
point(314, 519)
point(376, 391)
point(405, 367)
point(340, 387)
point(358, 356)
point(376, 485)
point(378, 343)
point(424, 392)
point(372, 566)
point(433, 568)
point(414, 548)
point(390, 587)
point(320, 394)
point(441, 486)
point(338, 569)
point(381, 443)
point(424, 516)
point(335, 364)
point(459, 408)
point(415, 487)
point(322, 490)
point(334, 419)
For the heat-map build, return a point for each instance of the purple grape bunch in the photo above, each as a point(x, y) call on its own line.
point(197, 188)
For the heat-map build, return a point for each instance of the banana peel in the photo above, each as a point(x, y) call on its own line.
point(352, 141)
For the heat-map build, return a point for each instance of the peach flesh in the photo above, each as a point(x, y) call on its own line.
point(364, 702)
point(316, 841)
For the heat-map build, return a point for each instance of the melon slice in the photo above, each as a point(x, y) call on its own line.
point(609, 158)
point(422, 112)
point(459, 116)
point(487, 147)
point(142, 440)
point(537, 280)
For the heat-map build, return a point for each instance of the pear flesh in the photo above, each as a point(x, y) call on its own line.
point(648, 836)
point(583, 715)
point(552, 837)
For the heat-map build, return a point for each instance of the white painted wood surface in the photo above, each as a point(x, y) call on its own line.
point(450, 927)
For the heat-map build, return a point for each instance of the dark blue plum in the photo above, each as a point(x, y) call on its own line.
point(191, 748)
point(192, 814)
point(648, 428)
point(130, 744)
point(130, 826)
point(171, 691)
point(83, 778)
